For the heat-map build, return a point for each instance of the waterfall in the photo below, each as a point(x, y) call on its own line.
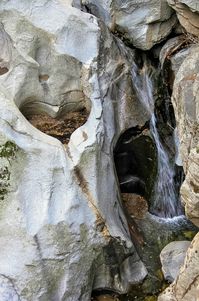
point(165, 198)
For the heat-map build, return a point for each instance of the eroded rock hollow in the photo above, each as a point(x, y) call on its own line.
point(98, 130)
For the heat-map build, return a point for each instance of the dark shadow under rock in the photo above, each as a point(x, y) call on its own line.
point(136, 162)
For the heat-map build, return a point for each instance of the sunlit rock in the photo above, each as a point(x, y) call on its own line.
point(60, 205)
point(185, 101)
point(188, 14)
point(142, 23)
point(186, 286)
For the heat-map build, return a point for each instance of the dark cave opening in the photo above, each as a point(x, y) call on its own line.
point(135, 159)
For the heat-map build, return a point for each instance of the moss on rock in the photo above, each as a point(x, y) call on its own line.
point(7, 153)
point(8, 150)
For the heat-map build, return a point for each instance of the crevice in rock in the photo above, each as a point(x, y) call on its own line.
point(166, 126)
point(135, 159)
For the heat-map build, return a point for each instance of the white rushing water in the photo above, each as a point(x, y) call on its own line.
point(165, 199)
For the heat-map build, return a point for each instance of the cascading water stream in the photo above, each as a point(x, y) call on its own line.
point(165, 199)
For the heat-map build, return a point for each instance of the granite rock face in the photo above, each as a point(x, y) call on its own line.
point(192, 4)
point(188, 14)
point(142, 23)
point(186, 106)
point(183, 69)
point(60, 205)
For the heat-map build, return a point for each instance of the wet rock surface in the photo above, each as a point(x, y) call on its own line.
point(63, 205)
point(106, 297)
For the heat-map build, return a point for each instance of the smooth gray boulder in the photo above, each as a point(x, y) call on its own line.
point(174, 50)
point(186, 285)
point(172, 258)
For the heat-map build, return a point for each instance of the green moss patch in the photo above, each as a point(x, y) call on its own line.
point(7, 152)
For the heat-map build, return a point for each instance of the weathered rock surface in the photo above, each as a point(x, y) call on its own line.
point(142, 23)
point(60, 208)
point(186, 101)
point(192, 4)
point(186, 105)
point(184, 67)
point(63, 231)
point(186, 286)
point(188, 14)
point(172, 258)
point(174, 49)
point(172, 55)
point(106, 298)
point(7, 290)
